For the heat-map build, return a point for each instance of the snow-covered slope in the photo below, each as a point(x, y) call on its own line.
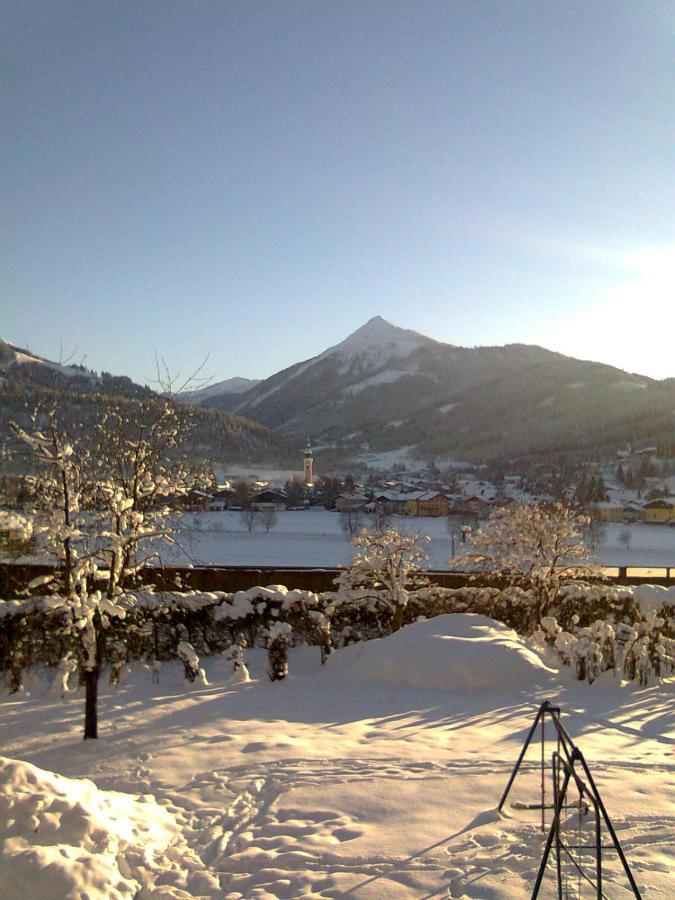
point(228, 386)
point(327, 785)
point(461, 653)
point(10, 354)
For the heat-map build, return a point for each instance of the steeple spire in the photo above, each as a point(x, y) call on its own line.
point(308, 465)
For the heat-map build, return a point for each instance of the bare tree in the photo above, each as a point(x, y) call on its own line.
point(380, 518)
point(250, 516)
point(351, 520)
point(624, 538)
point(295, 491)
point(269, 518)
point(243, 491)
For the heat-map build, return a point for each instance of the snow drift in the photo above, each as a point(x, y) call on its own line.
point(460, 652)
point(63, 837)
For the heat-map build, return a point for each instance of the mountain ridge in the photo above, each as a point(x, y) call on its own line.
point(29, 381)
point(385, 386)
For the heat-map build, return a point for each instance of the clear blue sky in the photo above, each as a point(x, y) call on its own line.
point(259, 179)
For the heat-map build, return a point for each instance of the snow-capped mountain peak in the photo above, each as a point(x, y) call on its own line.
point(375, 342)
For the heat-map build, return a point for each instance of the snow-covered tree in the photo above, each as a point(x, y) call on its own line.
point(278, 636)
point(62, 491)
point(100, 512)
point(235, 655)
point(387, 562)
point(648, 651)
point(188, 656)
point(537, 547)
point(139, 467)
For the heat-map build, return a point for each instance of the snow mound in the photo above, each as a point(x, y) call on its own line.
point(63, 837)
point(459, 653)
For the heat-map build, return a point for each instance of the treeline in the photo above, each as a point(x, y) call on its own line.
point(215, 435)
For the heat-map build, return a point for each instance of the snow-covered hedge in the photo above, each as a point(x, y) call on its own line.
point(592, 627)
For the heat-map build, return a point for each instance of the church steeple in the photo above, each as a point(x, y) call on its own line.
point(308, 465)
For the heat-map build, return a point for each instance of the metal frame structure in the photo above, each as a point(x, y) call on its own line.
point(566, 761)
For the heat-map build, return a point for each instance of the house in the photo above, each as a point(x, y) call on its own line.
point(633, 511)
point(197, 500)
point(350, 501)
point(606, 511)
point(221, 499)
point(411, 502)
point(431, 504)
point(660, 511)
point(269, 498)
point(393, 502)
point(472, 506)
point(193, 501)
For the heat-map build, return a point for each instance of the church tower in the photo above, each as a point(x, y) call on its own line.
point(309, 464)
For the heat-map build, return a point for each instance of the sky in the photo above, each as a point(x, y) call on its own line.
point(256, 180)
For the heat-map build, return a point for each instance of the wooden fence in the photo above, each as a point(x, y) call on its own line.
point(14, 577)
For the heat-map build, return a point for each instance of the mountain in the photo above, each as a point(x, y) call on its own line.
point(229, 387)
point(28, 381)
point(389, 387)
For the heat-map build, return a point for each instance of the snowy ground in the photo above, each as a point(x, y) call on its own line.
point(314, 538)
point(376, 776)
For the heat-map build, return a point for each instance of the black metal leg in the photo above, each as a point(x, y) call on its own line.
point(555, 827)
point(610, 828)
point(529, 737)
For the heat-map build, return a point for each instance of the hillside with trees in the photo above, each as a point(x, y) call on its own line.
point(83, 396)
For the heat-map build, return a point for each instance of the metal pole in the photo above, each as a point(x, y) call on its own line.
point(598, 849)
point(610, 827)
point(549, 841)
point(543, 773)
point(531, 732)
point(557, 805)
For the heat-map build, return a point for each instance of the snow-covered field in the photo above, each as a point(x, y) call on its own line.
point(315, 538)
point(376, 776)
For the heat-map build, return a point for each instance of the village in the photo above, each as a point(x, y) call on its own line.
point(462, 491)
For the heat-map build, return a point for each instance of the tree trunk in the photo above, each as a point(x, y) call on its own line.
point(397, 621)
point(91, 703)
point(91, 677)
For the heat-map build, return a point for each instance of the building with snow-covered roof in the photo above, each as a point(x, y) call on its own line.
point(472, 506)
point(269, 499)
point(433, 503)
point(393, 502)
point(350, 501)
point(661, 512)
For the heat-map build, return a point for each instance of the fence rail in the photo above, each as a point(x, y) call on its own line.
point(14, 577)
